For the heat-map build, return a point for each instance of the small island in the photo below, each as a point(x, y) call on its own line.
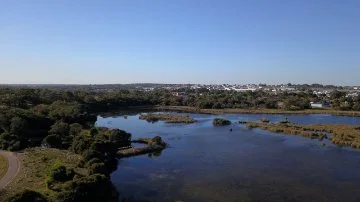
point(152, 145)
point(167, 118)
point(265, 120)
point(339, 134)
point(221, 122)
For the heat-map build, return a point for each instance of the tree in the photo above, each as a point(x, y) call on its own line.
point(75, 129)
point(337, 94)
point(95, 187)
point(94, 131)
point(60, 128)
point(27, 196)
point(18, 126)
point(120, 138)
point(53, 141)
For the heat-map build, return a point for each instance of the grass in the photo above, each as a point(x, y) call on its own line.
point(35, 163)
point(167, 118)
point(3, 166)
point(342, 134)
point(259, 111)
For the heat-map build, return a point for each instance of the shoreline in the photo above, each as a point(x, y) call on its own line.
point(258, 111)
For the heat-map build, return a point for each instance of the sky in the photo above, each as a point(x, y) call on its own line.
point(180, 41)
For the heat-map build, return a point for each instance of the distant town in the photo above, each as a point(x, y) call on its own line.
point(318, 89)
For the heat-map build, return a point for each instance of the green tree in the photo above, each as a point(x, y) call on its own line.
point(60, 128)
point(18, 126)
point(75, 129)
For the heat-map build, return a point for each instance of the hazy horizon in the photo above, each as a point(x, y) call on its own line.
point(198, 42)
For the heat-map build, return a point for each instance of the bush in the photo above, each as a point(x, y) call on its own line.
point(265, 120)
point(53, 141)
point(27, 196)
point(221, 122)
point(75, 129)
point(94, 131)
point(93, 160)
point(59, 173)
point(60, 128)
point(91, 188)
point(98, 168)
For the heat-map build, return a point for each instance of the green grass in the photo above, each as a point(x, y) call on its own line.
point(35, 163)
point(3, 166)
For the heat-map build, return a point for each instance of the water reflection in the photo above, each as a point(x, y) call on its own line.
point(155, 154)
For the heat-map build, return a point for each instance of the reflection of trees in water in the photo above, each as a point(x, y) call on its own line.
point(155, 154)
point(125, 112)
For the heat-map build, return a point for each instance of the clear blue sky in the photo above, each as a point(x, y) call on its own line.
point(180, 41)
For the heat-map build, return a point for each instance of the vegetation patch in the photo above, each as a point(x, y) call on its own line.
point(152, 145)
point(167, 118)
point(342, 134)
point(36, 164)
point(259, 111)
point(265, 120)
point(3, 166)
point(221, 122)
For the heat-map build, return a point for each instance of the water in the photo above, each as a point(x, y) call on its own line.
point(205, 163)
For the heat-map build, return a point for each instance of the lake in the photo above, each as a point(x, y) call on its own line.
point(207, 163)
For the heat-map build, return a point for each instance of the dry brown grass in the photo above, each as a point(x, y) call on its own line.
point(3, 166)
point(35, 164)
point(342, 134)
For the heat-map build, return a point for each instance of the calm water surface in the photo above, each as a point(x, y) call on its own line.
point(205, 163)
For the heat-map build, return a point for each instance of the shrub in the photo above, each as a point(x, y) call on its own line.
point(59, 173)
point(75, 129)
point(265, 120)
point(94, 131)
point(27, 196)
point(98, 168)
point(90, 188)
point(221, 122)
point(52, 141)
point(60, 128)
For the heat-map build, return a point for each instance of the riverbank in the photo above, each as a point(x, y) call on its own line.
point(257, 111)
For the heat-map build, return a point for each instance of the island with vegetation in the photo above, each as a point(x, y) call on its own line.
point(221, 122)
point(167, 118)
point(151, 145)
point(265, 120)
point(339, 134)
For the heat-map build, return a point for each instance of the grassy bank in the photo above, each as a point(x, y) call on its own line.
point(258, 111)
point(3, 166)
point(167, 118)
point(344, 135)
point(36, 163)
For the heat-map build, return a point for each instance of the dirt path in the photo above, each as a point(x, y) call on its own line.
point(13, 168)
